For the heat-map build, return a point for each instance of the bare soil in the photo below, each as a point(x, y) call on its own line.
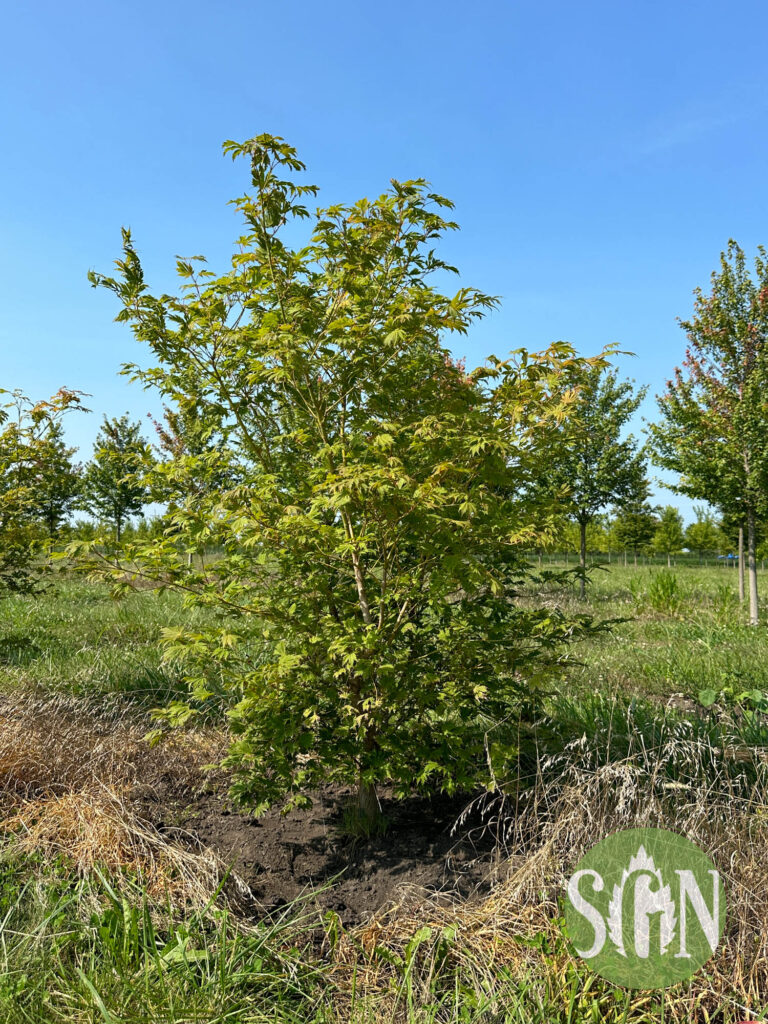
point(304, 852)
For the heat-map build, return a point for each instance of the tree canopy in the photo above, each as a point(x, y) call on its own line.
point(113, 484)
point(669, 537)
point(33, 464)
point(598, 464)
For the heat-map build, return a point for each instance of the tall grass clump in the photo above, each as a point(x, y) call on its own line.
point(665, 593)
point(86, 952)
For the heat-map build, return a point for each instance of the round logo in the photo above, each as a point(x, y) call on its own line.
point(645, 908)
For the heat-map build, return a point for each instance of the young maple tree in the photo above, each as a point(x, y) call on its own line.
point(669, 536)
point(635, 524)
point(378, 505)
point(58, 485)
point(714, 426)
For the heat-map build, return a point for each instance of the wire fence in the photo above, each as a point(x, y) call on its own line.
point(631, 559)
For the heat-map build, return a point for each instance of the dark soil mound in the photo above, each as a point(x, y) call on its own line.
point(284, 856)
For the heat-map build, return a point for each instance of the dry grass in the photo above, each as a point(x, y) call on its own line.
point(62, 745)
point(96, 829)
point(69, 779)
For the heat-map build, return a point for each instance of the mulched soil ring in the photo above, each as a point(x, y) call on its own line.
point(285, 856)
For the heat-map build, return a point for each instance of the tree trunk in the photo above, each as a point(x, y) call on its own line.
point(635, 557)
point(669, 561)
point(753, 608)
point(741, 565)
point(582, 556)
point(368, 806)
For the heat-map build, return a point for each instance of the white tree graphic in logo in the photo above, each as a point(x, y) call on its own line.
point(646, 903)
point(645, 908)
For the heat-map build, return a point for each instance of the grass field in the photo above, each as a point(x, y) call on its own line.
point(104, 918)
point(678, 639)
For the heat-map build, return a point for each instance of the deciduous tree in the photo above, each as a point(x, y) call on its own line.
point(634, 527)
point(26, 429)
point(668, 539)
point(714, 414)
point(704, 536)
point(375, 539)
point(113, 485)
point(598, 464)
point(59, 480)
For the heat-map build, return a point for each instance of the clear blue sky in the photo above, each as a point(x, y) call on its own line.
point(600, 156)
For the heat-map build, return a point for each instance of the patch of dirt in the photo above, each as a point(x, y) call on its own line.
point(282, 857)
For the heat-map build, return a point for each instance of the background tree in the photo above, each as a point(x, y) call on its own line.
point(58, 480)
point(192, 461)
point(634, 527)
point(668, 538)
point(704, 536)
point(376, 535)
point(113, 485)
point(26, 429)
point(713, 431)
point(569, 537)
point(597, 464)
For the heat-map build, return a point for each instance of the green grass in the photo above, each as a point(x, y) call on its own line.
point(77, 639)
point(693, 639)
point(80, 953)
point(72, 952)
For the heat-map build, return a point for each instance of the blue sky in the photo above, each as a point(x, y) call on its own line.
point(600, 156)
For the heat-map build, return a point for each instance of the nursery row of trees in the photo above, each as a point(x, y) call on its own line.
point(42, 485)
point(654, 531)
point(372, 500)
point(116, 485)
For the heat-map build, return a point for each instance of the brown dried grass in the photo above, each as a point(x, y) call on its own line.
point(68, 781)
point(70, 777)
point(62, 745)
